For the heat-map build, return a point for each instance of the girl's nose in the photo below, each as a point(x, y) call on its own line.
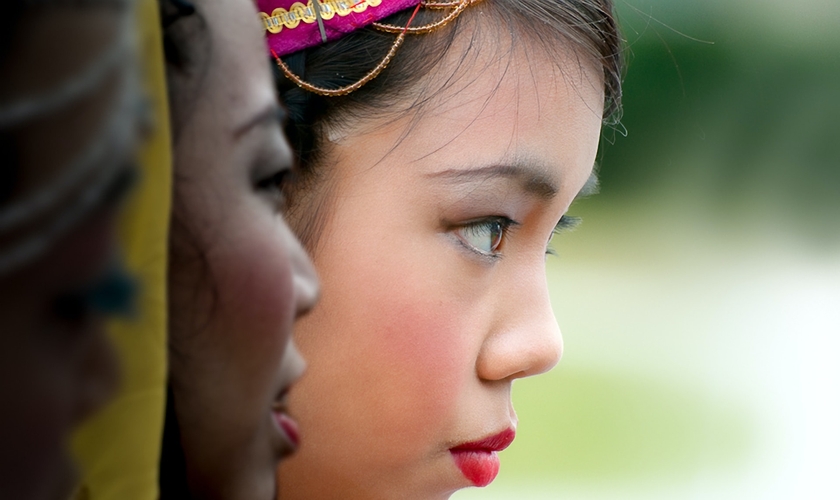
point(525, 339)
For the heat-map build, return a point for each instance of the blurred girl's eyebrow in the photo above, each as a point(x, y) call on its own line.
point(270, 114)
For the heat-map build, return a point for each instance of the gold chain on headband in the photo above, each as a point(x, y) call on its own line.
point(458, 6)
point(419, 30)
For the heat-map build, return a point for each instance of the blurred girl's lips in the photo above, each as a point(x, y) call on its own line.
point(479, 460)
point(286, 424)
point(289, 427)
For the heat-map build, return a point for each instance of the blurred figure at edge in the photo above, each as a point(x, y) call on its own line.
point(71, 117)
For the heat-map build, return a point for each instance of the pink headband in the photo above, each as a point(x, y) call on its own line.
point(292, 26)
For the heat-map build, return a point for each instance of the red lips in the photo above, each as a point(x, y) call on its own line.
point(478, 460)
point(496, 442)
point(290, 428)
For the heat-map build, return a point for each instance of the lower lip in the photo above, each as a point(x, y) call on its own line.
point(479, 461)
point(289, 428)
point(479, 466)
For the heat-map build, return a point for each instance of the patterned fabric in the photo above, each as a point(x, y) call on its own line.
point(292, 26)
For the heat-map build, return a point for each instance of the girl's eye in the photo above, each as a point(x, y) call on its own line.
point(485, 236)
point(276, 180)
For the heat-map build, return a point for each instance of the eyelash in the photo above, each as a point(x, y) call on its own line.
point(501, 226)
point(566, 223)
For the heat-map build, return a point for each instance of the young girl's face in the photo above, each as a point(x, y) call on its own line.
point(238, 276)
point(434, 292)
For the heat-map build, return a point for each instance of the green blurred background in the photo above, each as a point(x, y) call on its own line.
point(700, 299)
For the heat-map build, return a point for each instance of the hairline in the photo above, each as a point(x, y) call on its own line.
point(416, 98)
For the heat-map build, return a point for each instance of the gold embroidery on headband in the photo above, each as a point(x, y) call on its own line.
point(290, 19)
point(457, 7)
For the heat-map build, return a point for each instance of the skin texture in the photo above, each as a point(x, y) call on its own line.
point(238, 276)
point(55, 369)
point(418, 338)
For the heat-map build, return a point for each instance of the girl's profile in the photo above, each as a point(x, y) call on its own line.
point(238, 278)
point(440, 149)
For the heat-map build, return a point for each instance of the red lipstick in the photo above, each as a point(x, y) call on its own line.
point(479, 460)
point(289, 427)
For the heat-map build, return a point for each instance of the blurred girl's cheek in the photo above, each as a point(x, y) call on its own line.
point(255, 282)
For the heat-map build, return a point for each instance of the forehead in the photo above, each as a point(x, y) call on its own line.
point(502, 104)
point(490, 73)
point(237, 74)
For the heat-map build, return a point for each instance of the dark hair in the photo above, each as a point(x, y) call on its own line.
point(589, 26)
point(187, 50)
point(10, 13)
point(184, 31)
point(180, 22)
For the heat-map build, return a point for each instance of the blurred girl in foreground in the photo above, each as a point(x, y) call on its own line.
point(70, 119)
point(238, 276)
point(440, 149)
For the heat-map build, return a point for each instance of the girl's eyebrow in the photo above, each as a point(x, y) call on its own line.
point(532, 179)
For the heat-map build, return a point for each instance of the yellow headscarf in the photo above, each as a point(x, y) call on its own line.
point(118, 450)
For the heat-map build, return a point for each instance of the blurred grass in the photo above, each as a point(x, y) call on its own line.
point(736, 114)
point(683, 368)
point(588, 426)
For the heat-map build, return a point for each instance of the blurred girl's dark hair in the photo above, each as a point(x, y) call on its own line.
point(186, 48)
point(10, 13)
point(588, 26)
point(184, 31)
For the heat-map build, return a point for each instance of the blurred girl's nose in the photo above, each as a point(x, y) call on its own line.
point(305, 280)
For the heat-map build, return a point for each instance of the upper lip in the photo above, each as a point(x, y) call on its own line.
point(496, 442)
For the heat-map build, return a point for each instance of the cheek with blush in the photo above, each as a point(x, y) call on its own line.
point(424, 357)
